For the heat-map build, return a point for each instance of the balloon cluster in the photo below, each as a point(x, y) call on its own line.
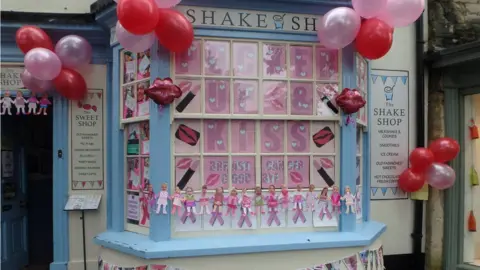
point(428, 166)
point(47, 66)
point(139, 21)
point(373, 35)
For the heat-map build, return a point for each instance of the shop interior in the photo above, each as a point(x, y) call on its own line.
point(27, 183)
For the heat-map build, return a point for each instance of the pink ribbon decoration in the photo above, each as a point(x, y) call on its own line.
point(273, 217)
point(244, 219)
point(216, 216)
point(186, 215)
point(299, 214)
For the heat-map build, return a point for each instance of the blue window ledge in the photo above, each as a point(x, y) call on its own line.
point(141, 246)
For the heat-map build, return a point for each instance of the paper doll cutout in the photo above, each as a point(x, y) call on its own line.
point(358, 200)
point(32, 104)
point(298, 199)
point(190, 210)
point(6, 103)
point(176, 202)
point(284, 199)
point(20, 102)
point(335, 198)
point(272, 203)
point(310, 198)
point(147, 201)
point(246, 204)
point(232, 202)
point(258, 201)
point(323, 204)
point(204, 201)
point(44, 102)
point(218, 200)
point(349, 201)
point(162, 200)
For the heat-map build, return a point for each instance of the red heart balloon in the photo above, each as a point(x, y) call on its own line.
point(163, 91)
point(350, 100)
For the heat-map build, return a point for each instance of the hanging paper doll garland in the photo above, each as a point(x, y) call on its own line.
point(25, 102)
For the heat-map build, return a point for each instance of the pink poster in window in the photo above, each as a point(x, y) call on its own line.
point(189, 62)
point(217, 58)
point(215, 136)
point(243, 172)
point(272, 135)
point(274, 60)
point(145, 138)
point(327, 63)
point(298, 133)
point(298, 170)
point(215, 172)
point(187, 172)
point(274, 97)
point(129, 102)
point(190, 102)
point(301, 98)
point(143, 65)
point(217, 96)
point(245, 97)
point(187, 136)
point(323, 137)
point(273, 171)
point(145, 171)
point(325, 98)
point(361, 70)
point(143, 104)
point(243, 136)
point(129, 66)
point(134, 176)
point(245, 59)
point(323, 171)
point(301, 62)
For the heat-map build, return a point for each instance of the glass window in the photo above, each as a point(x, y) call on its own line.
point(362, 121)
point(362, 86)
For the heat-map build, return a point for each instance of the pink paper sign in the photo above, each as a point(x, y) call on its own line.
point(298, 133)
point(301, 98)
point(323, 171)
point(215, 136)
point(274, 60)
point(301, 62)
point(189, 62)
point(143, 104)
point(217, 96)
point(145, 171)
point(326, 64)
point(190, 102)
point(274, 97)
point(323, 137)
point(243, 172)
point(184, 144)
point(298, 169)
point(273, 171)
point(217, 58)
point(134, 175)
point(361, 70)
point(145, 138)
point(143, 65)
point(216, 172)
point(187, 169)
point(325, 97)
point(243, 136)
point(245, 59)
point(245, 97)
point(272, 136)
point(129, 102)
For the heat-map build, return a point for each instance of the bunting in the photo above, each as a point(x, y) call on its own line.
point(384, 79)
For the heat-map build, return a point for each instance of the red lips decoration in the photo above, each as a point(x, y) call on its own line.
point(163, 91)
point(350, 100)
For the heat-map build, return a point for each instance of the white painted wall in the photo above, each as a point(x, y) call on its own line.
point(50, 6)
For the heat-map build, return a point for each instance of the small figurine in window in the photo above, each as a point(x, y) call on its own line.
point(310, 200)
point(349, 200)
point(204, 209)
point(44, 102)
point(272, 200)
point(358, 200)
point(20, 102)
point(162, 199)
point(259, 201)
point(232, 202)
point(32, 104)
point(285, 199)
point(298, 199)
point(246, 203)
point(176, 201)
point(323, 204)
point(218, 200)
point(189, 200)
point(335, 198)
point(6, 103)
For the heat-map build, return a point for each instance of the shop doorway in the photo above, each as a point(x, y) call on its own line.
point(27, 184)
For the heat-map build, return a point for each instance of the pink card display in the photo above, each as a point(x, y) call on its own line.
point(243, 172)
point(301, 62)
point(301, 97)
point(359, 140)
point(298, 171)
point(134, 174)
point(245, 97)
point(298, 135)
point(273, 171)
point(272, 135)
point(143, 104)
point(215, 136)
point(215, 172)
point(145, 166)
point(187, 169)
point(145, 138)
point(190, 102)
point(217, 96)
point(129, 66)
point(326, 64)
point(242, 136)
point(323, 137)
point(143, 65)
point(189, 62)
point(274, 60)
point(361, 70)
point(323, 171)
point(274, 97)
point(129, 102)
point(326, 93)
point(245, 59)
point(217, 58)
point(183, 144)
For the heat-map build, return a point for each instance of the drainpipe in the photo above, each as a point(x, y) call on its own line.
point(420, 126)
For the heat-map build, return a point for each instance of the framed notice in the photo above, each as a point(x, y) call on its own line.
point(87, 142)
point(389, 142)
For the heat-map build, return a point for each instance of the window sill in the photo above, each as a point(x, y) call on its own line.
point(141, 246)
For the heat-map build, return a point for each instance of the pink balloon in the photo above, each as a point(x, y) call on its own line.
point(338, 28)
point(369, 8)
point(33, 84)
point(134, 43)
point(43, 64)
point(400, 13)
point(167, 3)
point(440, 176)
point(74, 51)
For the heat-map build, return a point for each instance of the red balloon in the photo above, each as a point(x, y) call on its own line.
point(70, 84)
point(174, 31)
point(29, 37)
point(444, 149)
point(374, 39)
point(420, 159)
point(138, 17)
point(409, 181)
